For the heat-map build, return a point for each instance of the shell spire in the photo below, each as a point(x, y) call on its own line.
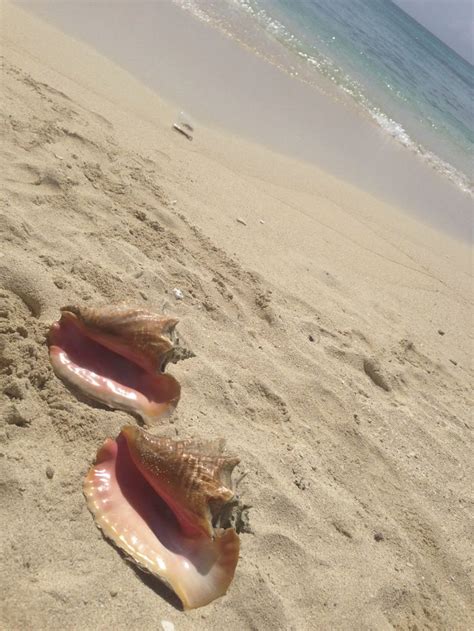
point(194, 478)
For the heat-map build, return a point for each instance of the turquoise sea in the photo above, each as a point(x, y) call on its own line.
point(410, 84)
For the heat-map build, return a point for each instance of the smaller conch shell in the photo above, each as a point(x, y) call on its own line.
point(117, 356)
point(161, 501)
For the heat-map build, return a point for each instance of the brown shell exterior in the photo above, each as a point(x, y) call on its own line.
point(196, 474)
point(149, 335)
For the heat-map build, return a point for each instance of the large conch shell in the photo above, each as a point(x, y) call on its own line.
point(163, 502)
point(117, 355)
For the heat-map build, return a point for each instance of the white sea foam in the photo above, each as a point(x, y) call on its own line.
point(392, 128)
point(398, 133)
point(210, 12)
point(193, 7)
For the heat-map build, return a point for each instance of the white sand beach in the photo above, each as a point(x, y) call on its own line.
point(297, 287)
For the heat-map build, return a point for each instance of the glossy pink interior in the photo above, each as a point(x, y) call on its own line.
point(130, 513)
point(92, 356)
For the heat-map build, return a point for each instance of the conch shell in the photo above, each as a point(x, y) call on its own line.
point(163, 502)
point(117, 355)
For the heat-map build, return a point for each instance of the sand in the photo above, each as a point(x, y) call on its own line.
point(332, 334)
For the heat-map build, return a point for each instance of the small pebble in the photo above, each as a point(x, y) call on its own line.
point(15, 389)
point(374, 371)
point(113, 593)
point(310, 338)
point(261, 221)
point(241, 221)
point(378, 536)
point(178, 294)
point(301, 483)
point(440, 331)
point(453, 362)
point(49, 472)
point(14, 416)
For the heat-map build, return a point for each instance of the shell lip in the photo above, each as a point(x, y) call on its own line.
point(72, 341)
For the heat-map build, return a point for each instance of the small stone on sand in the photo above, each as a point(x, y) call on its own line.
point(373, 370)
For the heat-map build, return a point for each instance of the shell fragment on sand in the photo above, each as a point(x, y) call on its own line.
point(182, 131)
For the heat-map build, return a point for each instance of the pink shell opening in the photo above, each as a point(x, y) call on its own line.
point(130, 513)
point(107, 376)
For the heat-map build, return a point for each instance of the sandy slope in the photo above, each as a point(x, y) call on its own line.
point(360, 492)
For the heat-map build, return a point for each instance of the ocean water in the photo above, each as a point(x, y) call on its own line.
point(399, 75)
